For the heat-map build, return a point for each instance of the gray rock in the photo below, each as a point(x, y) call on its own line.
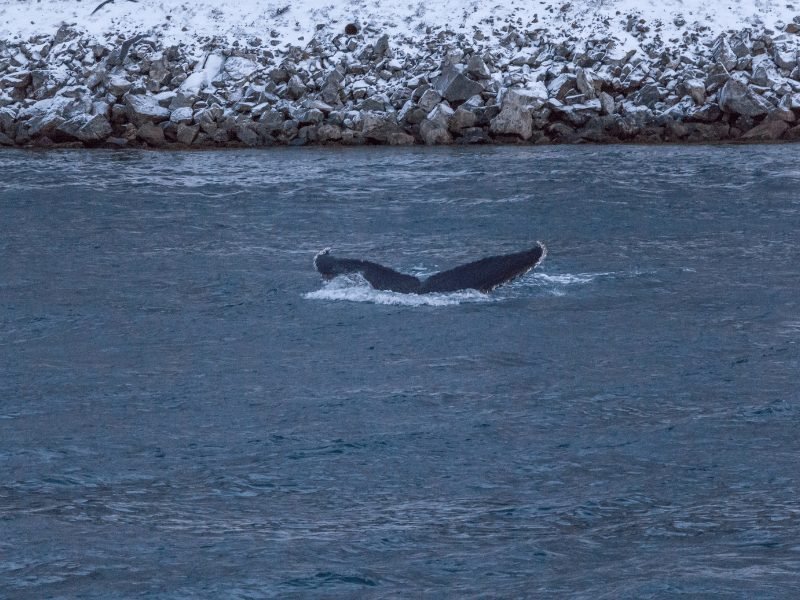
point(607, 105)
point(238, 68)
point(476, 68)
point(186, 134)
point(17, 79)
point(767, 131)
point(379, 127)
point(377, 102)
point(399, 138)
point(296, 87)
point(462, 118)
point(585, 82)
point(696, 88)
point(5, 140)
point(473, 135)
point(433, 133)
point(246, 135)
point(182, 116)
point(381, 49)
point(411, 113)
point(86, 128)
point(428, 100)
point(151, 133)
point(525, 98)
point(723, 53)
point(563, 133)
point(785, 58)
point(272, 120)
point(513, 120)
point(312, 116)
point(441, 115)
point(46, 82)
point(707, 113)
point(143, 109)
point(559, 87)
point(792, 134)
point(332, 87)
point(599, 129)
point(159, 73)
point(649, 95)
point(280, 75)
point(182, 99)
point(740, 44)
point(706, 132)
point(40, 125)
point(8, 119)
point(329, 133)
point(579, 114)
point(736, 97)
point(454, 86)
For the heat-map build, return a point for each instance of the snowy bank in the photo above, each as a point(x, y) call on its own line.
point(202, 74)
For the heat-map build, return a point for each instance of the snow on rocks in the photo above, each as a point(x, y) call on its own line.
point(502, 79)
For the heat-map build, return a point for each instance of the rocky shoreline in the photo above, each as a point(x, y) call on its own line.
point(358, 86)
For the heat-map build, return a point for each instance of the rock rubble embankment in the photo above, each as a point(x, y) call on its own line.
point(359, 87)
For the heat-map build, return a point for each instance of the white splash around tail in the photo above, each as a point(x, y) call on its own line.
point(353, 288)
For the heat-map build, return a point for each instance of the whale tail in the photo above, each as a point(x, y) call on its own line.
point(378, 276)
point(486, 274)
point(483, 275)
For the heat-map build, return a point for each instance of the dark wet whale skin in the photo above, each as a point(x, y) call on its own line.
point(483, 275)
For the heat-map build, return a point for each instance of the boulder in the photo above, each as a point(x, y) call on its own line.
point(8, 118)
point(379, 127)
point(296, 88)
point(607, 104)
point(649, 95)
point(143, 109)
point(238, 68)
point(17, 79)
point(513, 120)
point(246, 134)
point(767, 131)
point(723, 53)
point(696, 88)
point(454, 86)
point(428, 100)
point(432, 133)
point(785, 58)
point(151, 133)
point(585, 82)
point(462, 118)
point(707, 113)
point(332, 87)
point(562, 85)
point(477, 69)
point(737, 98)
point(272, 120)
point(182, 116)
point(792, 134)
point(329, 133)
point(473, 135)
point(765, 74)
point(186, 134)
point(86, 128)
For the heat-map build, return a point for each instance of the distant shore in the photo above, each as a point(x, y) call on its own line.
point(354, 87)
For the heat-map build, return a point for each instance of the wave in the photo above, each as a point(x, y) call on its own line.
point(356, 289)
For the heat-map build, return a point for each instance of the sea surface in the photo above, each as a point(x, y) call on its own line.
point(188, 411)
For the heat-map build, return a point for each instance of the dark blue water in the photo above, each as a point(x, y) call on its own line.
point(186, 411)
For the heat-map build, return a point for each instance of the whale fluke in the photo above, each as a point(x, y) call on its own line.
point(483, 275)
